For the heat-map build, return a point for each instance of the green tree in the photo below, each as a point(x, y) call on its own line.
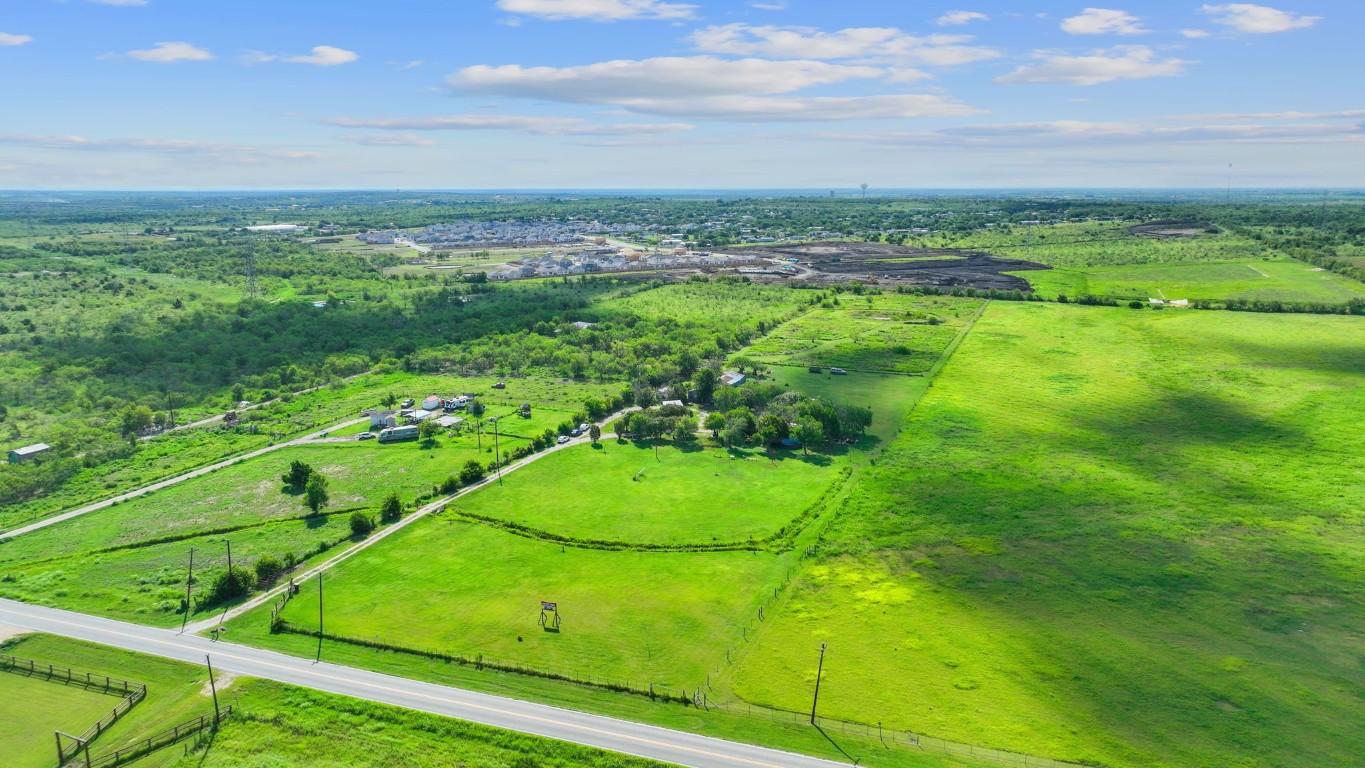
point(315, 492)
point(391, 510)
point(471, 473)
point(389, 400)
point(809, 431)
point(594, 432)
point(298, 474)
point(705, 381)
point(135, 419)
point(361, 525)
point(715, 421)
point(428, 431)
point(682, 432)
point(268, 569)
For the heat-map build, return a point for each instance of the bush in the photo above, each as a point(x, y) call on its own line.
point(361, 525)
point(471, 473)
point(297, 475)
point(230, 585)
point(450, 485)
point(392, 509)
point(268, 569)
point(1135, 304)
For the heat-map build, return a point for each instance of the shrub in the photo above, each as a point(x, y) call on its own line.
point(230, 585)
point(392, 509)
point(471, 473)
point(297, 475)
point(361, 525)
point(268, 569)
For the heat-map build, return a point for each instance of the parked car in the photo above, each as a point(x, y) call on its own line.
point(407, 403)
point(563, 439)
point(838, 371)
point(582, 428)
point(365, 436)
point(575, 432)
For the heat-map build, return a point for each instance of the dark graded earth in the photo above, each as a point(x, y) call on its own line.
point(1173, 229)
point(885, 263)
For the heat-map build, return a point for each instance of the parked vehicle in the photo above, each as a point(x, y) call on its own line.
point(838, 371)
point(816, 369)
point(365, 436)
point(562, 439)
point(398, 434)
point(407, 403)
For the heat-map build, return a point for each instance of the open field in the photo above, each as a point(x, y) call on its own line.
point(1251, 280)
point(621, 492)
point(176, 693)
point(1094, 244)
point(462, 588)
point(1142, 549)
point(888, 332)
point(31, 708)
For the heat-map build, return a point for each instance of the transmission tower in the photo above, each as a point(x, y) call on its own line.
point(252, 290)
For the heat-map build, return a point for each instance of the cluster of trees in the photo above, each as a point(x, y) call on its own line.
point(767, 415)
point(312, 484)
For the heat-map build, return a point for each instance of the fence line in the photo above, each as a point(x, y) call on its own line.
point(151, 743)
point(892, 735)
point(130, 693)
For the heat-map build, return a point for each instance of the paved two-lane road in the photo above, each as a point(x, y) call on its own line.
point(631, 738)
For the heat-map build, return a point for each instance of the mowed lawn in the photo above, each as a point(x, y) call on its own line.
point(1131, 538)
point(31, 708)
point(463, 588)
point(1285, 280)
point(629, 492)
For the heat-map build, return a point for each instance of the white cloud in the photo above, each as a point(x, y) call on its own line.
point(801, 109)
point(257, 57)
point(388, 140)
point(8, 39)
point(854, 43)
point(1257, 19)
point(325, 56)
point(781, 5)
point(957, 18)
point(599, 10)
point(1068, 134)
point(1103, 21)
point(672, 78)
point(1195, 34)
point(529, 124)
point(214, 150)
point(1124, 62)
point(166, 53)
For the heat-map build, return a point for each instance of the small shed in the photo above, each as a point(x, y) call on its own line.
point(21, 455)
point(432, 403)
point(732, 378)
point(446, 422)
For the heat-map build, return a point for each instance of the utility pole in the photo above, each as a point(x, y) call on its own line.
point(497, 453)
point(818, 673)
point(319, 658)
point(229, 547)
point(189, 579)
point(213, 687)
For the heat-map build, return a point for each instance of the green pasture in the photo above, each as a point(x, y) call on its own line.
point(1286, 280)
point(889, 333)
point(145, 583)
point(30, 707)
point(1130, 538)
point(631, 492)
point(890, 396)
point(724, 303)
point(458, 587)
point(1093, 244)
point(359, 474)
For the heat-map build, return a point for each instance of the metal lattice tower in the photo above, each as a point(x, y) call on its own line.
point(253, 290)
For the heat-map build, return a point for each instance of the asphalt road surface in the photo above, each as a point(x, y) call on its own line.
point(623, 736)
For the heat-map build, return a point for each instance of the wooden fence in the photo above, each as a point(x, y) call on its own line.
point(143, 747)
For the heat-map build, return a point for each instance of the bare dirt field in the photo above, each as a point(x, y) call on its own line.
point(884, 263)
point(1173, 229)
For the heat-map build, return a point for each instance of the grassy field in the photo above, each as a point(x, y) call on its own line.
point(1094, 244)
point(273, 725)
point(1253, 280)
point(889, 333)
point(622, 492)
point(1142, 549)
point(32, 708)
point(176, 693)
point(463, 588)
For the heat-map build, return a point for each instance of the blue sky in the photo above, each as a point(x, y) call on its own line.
point(145, 94)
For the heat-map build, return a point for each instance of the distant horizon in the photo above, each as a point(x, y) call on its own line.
point(150, 95)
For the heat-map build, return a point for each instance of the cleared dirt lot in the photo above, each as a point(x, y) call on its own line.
point(884, 263)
